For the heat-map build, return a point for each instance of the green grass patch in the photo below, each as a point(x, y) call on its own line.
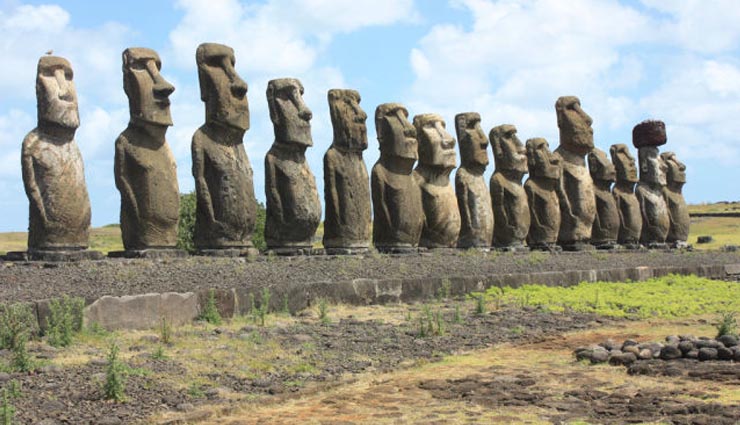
point(724, 231)
point(666, 297)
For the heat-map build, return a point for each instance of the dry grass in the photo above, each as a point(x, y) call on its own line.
point(102, 239)
point(717, 207)
point(724, 230)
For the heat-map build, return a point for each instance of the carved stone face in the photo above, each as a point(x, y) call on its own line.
point(148, 92)
point(396, 135)
point(652, 167)
point(221, 88)
point(472, 139)
point(576, 134)
point(55, 93)
point(600, 167)
point(676, 169)
point(436, 145)
point(508, 151)
point(541, 162)
point(348, 119)
point(290, 116)
point(624, 163)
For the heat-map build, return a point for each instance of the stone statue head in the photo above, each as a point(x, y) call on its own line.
point(348, 120)
point(436, 145)
point(221, 88)
point(624, 163)
point(291, 118)
point(541, 162)
point(676, 169)
point(148, 92)
point(652, 167)
point(576, 134)
point(55, 93)
point(600, 167)
point(472, 139)
point(396, 135)
point(649, 133)
point(508, 151)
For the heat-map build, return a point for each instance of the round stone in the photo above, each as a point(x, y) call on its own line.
point(707, 353)
point(670, 352)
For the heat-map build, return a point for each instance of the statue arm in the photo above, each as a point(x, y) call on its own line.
point(273, 195)
point(464, 201)
point(381, 200)
point(563, 198)
point(201, 185)
point(122, 183)
point(29, 182)
point(531, 199)
point(330, 188)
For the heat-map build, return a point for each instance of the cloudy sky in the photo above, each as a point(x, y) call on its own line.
point(678, 61)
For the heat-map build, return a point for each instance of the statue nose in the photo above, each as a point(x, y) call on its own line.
point(162, 88)
point(65, 89)
point(239, 88)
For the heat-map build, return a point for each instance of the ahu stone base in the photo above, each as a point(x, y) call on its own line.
point(153, 253)
point(54, 255)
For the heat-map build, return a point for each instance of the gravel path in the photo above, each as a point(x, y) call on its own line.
point(35, 281)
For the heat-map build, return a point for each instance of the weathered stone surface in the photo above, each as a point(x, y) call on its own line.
point(142, 311)
point(398, 217)
point(649, 133)
point(145, 169)
point(346, 183)
point(576, 191)
point(649, 192)
point(53, 172)
point(473, 197)
point(542, 196)
point(293, 206)
point(630, 217)
point(606, 224)
point(508, 198)
point(436, 162)
point(678, 211)
point(226, 209)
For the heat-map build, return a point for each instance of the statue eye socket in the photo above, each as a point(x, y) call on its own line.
point(137, 65)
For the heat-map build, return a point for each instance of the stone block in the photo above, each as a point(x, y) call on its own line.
point(142, 311)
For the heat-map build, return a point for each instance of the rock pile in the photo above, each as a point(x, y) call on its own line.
point(726, 347)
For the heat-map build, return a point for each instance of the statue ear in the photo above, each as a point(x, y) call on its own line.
point(271, 104)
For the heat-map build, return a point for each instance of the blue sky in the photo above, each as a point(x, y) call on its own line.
point(678, 61)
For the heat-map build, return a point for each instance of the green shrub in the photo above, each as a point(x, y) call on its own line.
point(65, 319)
point(323, 311)
point(21, 360)
point(165, 330)
point(186, 229)
point(210, 312)
point(727, 324)
point(115, 379)
point(17, 322)
point(7, 411)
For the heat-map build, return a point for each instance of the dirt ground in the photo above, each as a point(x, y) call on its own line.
point(375, 365)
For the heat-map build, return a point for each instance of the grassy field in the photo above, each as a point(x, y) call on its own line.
point(723, 230)
point(104, 239)
point(718, 207)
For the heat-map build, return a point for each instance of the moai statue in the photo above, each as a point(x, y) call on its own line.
point(576, 191)
point(53, 173)
point(293, 206)
point(646, 137)
point(398, 216)
point(473, 197)
point(678, 212)
point(145, 169)
point(509, 200)
point(436, 162)
point(346, 183)
point(630, 217)
point(226, 208)
point(542, 196)
point(606, 225)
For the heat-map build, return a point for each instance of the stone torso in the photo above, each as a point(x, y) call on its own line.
point(442, 217)
point(655, 219)
point(59, 175)
point(229, 180)
point(293, 206)
point(398, 217)
point(606, 223)
point(678, 214)
point(577, 202)
point(544, 210)
point(510, 210)
point(152, 175)
point(347, 198)
point(474, 204)
point(630, 218)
